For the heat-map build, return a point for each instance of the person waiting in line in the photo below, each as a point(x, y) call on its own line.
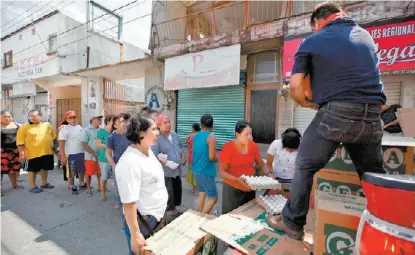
point(91, 153)
point(10, 163)
point(190, 178)
point(60, 126)
point(237, 158)
point(35, 141)
point(72, 152)
point(169, 150)
point(204, 165)
point(101, 141)
point(140, 179)
point(282, 154)
point(390, 121)
point(116, 146)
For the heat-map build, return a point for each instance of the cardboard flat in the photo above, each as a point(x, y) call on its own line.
point(337, 218)
point(183, 236)
point(246, 229)
point(407, 121)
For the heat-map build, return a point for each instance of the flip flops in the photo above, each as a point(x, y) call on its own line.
point(35, 190)
point(47, 186)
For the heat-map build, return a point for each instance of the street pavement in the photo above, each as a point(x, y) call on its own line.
point(56, 222)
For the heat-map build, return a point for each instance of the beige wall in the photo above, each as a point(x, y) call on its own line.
point(62, 93)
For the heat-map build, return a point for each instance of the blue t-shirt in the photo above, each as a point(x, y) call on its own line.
point(343, 63)
point(118, 143)
point(201, 162)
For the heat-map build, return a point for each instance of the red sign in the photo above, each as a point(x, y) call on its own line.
point(395, 44)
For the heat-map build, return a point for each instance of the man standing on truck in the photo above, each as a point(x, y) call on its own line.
point(341, 60)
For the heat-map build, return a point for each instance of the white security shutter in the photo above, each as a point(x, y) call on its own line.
point(392, 91)
point(303, 117)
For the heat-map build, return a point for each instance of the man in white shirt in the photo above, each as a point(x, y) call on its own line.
point(72, 151)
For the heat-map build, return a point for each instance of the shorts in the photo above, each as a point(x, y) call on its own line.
point(92, 168)
point(46, 162)
point(75, 164)
point(233, 198)
point(206, 184)
point(174, 189)
point(106, 170)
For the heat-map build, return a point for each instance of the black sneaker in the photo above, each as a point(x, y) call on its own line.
point(74, 191)
point(83, 186)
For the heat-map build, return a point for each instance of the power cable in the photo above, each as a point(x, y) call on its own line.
point(22, 13)
point(8, 5)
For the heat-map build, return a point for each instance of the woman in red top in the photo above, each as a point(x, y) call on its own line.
point(237, 158)
point(190, 178)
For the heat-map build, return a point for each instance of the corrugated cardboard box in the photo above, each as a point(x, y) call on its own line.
point(183, 236)
point(397, 156)
point(336, 219)
point(330, 180)
point(246, 229)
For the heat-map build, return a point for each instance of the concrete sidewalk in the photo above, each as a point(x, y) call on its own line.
point(56, 222)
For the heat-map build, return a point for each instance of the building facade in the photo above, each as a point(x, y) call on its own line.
point(39, 61)
point(267, 34)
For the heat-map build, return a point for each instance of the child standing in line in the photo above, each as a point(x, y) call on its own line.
point(190, 178)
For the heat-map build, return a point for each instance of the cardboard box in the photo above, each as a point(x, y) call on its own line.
point(397, 156)
point(339, 182)
point(407, 121)
point(337, 218)
point(183, 236)
point(246, 229)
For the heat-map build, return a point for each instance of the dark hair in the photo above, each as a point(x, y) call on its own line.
point(36, 110)
point(206, 121)
point(108, 118)
point(241, 125)
point(196, 127)
point(148, 113)
point(125, 116)
point(65, 122)
point(288, 130)
point(324, 10)
point(5, 111)
point(137, 125)
point(291, 140)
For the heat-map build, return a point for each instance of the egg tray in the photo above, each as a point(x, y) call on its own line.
point(261, 182)
point(273, 204)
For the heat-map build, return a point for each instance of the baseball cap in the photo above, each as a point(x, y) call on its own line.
point(69, 114)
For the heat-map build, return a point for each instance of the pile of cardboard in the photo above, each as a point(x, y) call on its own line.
point(406, 118)
point(183, 236)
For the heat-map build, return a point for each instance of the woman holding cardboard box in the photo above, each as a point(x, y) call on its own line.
point(237, 158)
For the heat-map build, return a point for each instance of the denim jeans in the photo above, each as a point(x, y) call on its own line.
point(357, 126)
point(152, 222)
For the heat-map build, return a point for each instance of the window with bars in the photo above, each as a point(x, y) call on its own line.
point(267, 67)
point(8, 59)
point(53, 43)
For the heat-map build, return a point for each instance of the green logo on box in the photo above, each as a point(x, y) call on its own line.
point(339, 240)
point(339, 187)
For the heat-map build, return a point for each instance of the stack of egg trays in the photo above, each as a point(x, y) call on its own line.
point(261, 182)
point(272, 204)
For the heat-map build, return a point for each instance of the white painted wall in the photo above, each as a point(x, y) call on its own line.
point(72, 52)
point(87, 100)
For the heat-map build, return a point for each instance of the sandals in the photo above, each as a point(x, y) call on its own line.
point(88, 193)
point(35, 190)
point(18, 187)
point(47, 186)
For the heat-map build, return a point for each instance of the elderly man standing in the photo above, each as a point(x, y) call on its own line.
point(35, 141)
point(169, 150)
point(341, 59)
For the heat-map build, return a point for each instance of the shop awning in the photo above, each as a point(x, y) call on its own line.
point(133, 69)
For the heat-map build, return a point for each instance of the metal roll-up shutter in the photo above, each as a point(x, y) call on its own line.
point(303, 117)
point(225, 104)
point(392, 91)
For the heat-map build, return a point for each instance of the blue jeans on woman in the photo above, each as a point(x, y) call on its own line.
point(152, 222)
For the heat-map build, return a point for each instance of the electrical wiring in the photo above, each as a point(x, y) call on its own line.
point(21, 14)
point(82, 24)
point(23, 19)
point(8, 5)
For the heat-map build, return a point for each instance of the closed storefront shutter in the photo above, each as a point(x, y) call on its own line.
point(225, 104)
point(303, 117)
point(393, 92)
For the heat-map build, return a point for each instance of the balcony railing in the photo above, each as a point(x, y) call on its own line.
point(228, 18)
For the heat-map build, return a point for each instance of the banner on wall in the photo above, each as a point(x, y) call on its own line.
point(395, 45)
point(209, 68)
